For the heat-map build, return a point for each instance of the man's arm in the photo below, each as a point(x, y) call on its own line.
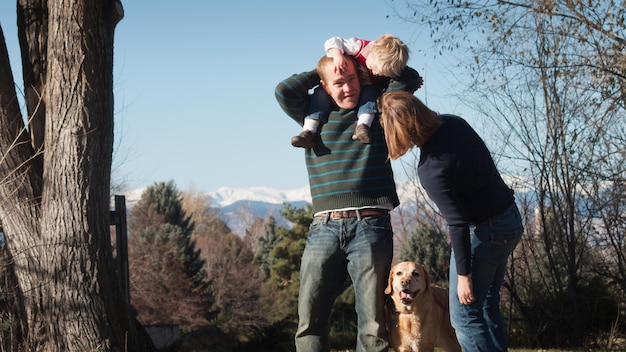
point(409, 80)
point(292, 94)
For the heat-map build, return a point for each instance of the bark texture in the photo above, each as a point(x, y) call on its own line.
point(55, 179)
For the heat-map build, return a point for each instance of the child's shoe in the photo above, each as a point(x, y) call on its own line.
point(362, 134)
point(306, 139)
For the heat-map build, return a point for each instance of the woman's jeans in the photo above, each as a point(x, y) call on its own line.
point(479, 326)
point(361, 248)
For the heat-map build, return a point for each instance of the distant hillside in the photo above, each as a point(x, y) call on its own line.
point(240, 215)
point(226, 196)
point(241, 206)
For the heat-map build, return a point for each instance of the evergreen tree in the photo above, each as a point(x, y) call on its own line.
point(264, 242)
point(161, 203)
point(283, 283)
point(168, 280)
point(429, 247)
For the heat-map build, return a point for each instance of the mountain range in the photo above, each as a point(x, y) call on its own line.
point(239, 207)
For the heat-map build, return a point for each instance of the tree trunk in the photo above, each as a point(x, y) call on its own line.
point(56, 215)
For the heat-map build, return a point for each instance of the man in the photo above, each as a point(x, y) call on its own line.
point(353, 190)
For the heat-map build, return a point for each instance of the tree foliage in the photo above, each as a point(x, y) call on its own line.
point(590, 34)
point(237, 279)
point(204, 216)
point(284, 282)
point(230, 266)
point(168, 280)
point(429, 247)
point(263, 238)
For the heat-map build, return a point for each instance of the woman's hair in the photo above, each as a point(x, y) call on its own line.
point(390, 53)
point(407, 122)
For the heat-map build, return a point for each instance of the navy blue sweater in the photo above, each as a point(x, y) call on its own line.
point(459, 175)
point(344, 173)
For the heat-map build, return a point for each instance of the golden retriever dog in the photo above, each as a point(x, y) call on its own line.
point(417, 311)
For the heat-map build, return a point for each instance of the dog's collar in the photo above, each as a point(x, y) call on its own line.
point(399, 312)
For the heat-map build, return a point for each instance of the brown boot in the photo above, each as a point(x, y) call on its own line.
point(362, 134)
point(306, 139)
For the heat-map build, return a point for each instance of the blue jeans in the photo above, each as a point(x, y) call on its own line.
point(479, 326)
point(367, 100)
point(320, 103)
point(361, 248)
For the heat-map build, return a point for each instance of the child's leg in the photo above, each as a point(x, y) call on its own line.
point(319, 105)
point(311, 124)
point(319, 108)
point(366, 113)
point(367, 105)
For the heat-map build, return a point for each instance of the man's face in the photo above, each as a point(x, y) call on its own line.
point(343, 87)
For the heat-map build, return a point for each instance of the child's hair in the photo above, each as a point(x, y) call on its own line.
point(391, 53)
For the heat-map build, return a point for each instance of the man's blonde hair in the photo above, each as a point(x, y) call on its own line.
point(390, 53)
point(407, 122)
point(326, 61)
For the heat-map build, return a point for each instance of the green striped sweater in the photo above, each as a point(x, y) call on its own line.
point(343, 173)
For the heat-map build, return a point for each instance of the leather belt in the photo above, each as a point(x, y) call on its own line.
point(345, 214)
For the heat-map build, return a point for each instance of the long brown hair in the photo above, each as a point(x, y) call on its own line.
point(406, 120)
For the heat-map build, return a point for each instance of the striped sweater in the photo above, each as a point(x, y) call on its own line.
point(343, 173)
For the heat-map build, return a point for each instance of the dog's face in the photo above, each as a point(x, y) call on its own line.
point(406, 281)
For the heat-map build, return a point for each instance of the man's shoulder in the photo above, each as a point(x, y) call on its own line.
point(410, 80)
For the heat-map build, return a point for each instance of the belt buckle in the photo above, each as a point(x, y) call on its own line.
point(340, 214)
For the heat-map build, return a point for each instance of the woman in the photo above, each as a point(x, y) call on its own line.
point(459, 175)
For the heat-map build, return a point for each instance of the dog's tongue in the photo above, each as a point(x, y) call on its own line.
point(406, 296)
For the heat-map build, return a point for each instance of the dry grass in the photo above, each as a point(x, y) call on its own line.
point(512, 350)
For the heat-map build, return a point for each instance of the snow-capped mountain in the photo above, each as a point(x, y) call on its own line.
point(226, 196)
point(239, 207)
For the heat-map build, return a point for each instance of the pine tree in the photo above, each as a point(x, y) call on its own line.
point(429, 247)
point(263, 238)
point(168, 280)
point(284, 283)
point(284, 259)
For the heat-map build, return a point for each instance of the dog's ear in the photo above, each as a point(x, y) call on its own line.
point(389, 288)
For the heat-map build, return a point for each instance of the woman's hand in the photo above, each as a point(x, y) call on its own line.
point(464, 290)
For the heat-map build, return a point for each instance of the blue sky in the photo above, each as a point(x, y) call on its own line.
point(194, 84)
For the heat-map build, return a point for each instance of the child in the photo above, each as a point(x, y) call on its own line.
point(382, 58)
